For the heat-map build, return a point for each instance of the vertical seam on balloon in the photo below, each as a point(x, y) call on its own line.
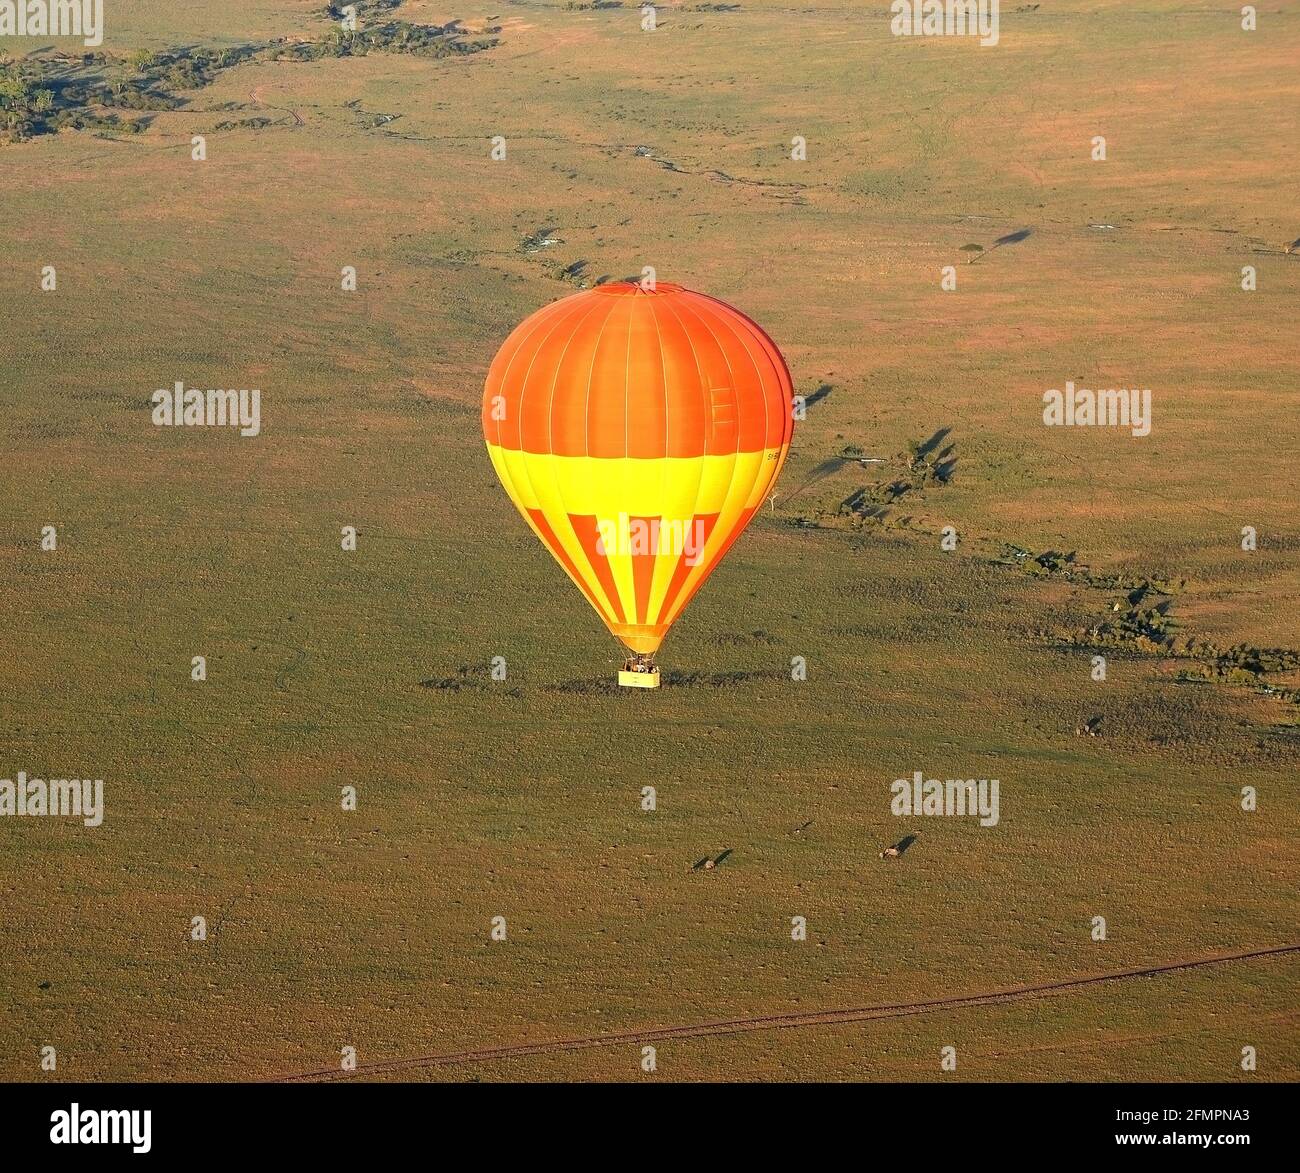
point(663, 380)
point(735, 396)
point(707, 413)
point(725, 319)
point(607, 613)
point(706, 567)
point(667, 457)
point(591, 374)
point(735, 456)
point(781, 375)
point(597, 587)
point(613, 561)
point(635, 612)
point(627, 379)
point(730, 317)
point(544, 316)
point(523, 386)
point(513, 486)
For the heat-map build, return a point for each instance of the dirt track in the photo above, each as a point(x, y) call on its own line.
point(256, 95)
point(775, 1021)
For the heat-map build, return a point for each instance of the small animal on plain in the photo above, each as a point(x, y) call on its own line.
point(710, 862)
point(901, 846)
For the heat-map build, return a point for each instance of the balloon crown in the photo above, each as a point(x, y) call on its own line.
point(625, 288)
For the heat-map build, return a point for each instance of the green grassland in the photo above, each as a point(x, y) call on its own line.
point(522, 798)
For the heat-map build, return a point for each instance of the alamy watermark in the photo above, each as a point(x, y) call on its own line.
point(54, 18)
point(953, 797)
point(182, 406)
point(946, 18)
point(626, 535)
point(126, 1126)
point(1081, 407)
point(58, 798)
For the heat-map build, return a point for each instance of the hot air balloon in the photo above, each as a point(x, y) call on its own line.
point(637, 428)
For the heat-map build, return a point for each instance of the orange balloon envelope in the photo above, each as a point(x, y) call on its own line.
point(638, 429)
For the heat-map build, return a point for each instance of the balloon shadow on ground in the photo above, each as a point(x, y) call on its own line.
point(671, 679)
point(817, 396)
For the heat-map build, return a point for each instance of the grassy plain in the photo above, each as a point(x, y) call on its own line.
point(521, 798)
